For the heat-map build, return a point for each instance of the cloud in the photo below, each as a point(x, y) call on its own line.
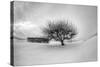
point(26, 28)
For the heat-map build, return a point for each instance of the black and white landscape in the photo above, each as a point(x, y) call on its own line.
point(49, 33)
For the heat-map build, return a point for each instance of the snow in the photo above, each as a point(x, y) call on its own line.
point(26, 53)
point(54, 43)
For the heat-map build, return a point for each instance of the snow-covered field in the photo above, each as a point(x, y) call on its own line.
point(27, 53)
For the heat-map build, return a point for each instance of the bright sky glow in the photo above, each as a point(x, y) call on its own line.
point(26, 28)
point(25, 25)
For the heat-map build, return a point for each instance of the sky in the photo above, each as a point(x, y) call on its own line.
point(31, 17)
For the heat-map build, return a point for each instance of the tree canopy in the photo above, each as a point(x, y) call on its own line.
point(60, 30)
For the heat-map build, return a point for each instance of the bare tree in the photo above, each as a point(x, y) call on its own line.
point(60, 30)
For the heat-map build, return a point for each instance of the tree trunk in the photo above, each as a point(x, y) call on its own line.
point(62, 42)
